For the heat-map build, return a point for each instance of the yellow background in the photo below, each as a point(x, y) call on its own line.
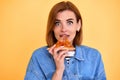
point(23, 26)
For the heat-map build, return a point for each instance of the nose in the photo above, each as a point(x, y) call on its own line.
point(63, 28)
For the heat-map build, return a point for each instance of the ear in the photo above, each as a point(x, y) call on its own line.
point(78, 25)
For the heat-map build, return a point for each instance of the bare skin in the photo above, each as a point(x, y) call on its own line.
point(59, 61)
point(65, 25)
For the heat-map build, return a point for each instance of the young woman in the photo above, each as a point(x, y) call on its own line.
point(55, 63)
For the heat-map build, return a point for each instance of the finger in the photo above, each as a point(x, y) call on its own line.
point(56, 50)
point(63, 56)
point(51, 49)
point(62, 53)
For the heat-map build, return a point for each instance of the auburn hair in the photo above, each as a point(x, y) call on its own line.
point(59, 7)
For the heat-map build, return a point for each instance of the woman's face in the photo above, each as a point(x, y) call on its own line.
point(66, 25)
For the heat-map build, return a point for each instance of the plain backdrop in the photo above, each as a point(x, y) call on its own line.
point(23, 28)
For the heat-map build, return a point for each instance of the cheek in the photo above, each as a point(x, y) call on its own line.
point(73, 33)
point(56, 33)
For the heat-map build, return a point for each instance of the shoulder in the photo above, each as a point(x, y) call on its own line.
point(41, 52)
point(88, 49)
point(89, 52)
point(41, 49)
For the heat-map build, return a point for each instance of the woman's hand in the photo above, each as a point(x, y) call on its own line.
point(59, 55)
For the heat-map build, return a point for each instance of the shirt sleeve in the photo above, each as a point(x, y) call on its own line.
point(100, 71)
point(34, 71)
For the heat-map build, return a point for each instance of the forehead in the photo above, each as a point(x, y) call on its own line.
point(63, 15)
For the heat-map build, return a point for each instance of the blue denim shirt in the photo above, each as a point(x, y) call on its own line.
point(85, 65)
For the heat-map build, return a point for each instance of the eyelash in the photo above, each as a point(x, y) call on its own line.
point(68, 22)
point(56, 23)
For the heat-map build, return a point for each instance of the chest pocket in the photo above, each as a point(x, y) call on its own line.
point(72, 76)
point(79, 77)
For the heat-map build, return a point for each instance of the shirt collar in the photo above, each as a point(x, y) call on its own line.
point(79, 53)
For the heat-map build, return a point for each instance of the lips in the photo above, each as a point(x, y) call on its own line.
point(64, 36)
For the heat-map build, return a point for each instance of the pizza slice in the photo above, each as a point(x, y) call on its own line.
point(67, 45)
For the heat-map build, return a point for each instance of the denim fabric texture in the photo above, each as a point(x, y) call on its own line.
point(86, 64)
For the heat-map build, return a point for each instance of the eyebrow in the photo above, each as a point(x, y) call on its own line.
point(70, 19)
point(66, 20)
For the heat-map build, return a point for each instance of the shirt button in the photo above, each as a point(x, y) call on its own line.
point(75, 74)
point(72, 62)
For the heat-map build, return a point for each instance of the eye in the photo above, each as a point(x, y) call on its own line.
point(57, 23)
point(70, 22)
